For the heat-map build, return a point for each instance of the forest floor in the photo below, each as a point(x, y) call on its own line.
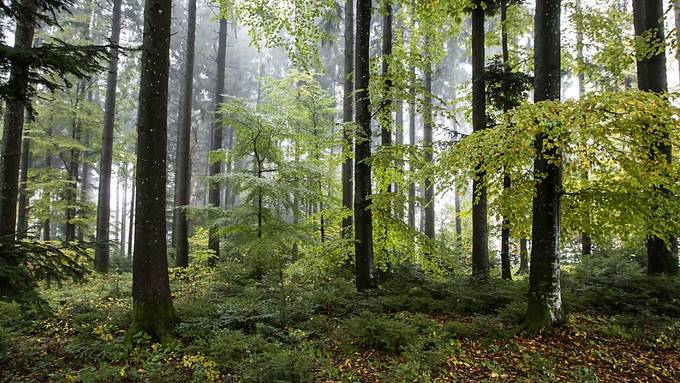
point(241, 324)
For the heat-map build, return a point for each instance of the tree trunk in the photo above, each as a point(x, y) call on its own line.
point(131, 226)
point(662, 255)
point(459, 226)
point(183, 165)
point(22, 222)
point(412, 141)
point(153, 311)
point(123, 212)
point(102, 250)
point(348, 117)
point(523, 257)
point(46, 226)
point(506, 266)
point(428, 209)
point(84, 184)
point(586, 242)
point(216, 167)
point(480, 231)
point(13, 122)
point(545, 298)
point(363, 217)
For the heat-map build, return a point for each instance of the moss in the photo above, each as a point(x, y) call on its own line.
point(540, 315)
point(157, 319)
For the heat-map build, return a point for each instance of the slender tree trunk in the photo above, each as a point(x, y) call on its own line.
point(216, 167)
point(363, 217)
point(74, 166)
point(22, 222)
point(480, 231)
point(545, 298)
point(46, 226)
point(123, 214)
point(13, 124)
point(348, 118)
point(586, 242)
point(131, 229)
point(412, 141)
point(152, 303)
point(662, 255)
point(523, 257)
point(428, 123)
point(84, 184)
point(102, 250)
point(459, 226)
point(506, 266)
point(183, 165)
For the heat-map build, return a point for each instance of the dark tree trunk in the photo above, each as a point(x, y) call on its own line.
point(386, 112)
point(662, 255)
point(545, 298)
point(348, 117)
point(480, 233)
point(13, 123)
point(506, 267)
point(586, 242)
point(363, 217)
point(216, 167)
point(428, 209)
point(153, 311)
point(46, 226)
point(412, 141)
point(399, 133)
point(74, 167)
point(102, 250)
point(22, 222)
point(183, 165)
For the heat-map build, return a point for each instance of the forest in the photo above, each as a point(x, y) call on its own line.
point(339, 191)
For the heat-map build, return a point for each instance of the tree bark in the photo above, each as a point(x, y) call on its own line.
point(183, 165)
point(586, 242)
point(428, 185)
point(102, 249)
point(348, 118)
point(13, 122)
point(412, 141)
point(131, 226)
point(73, 167)
point(662, 255)
point(22, 222)
point(545, 299)
point(216, 167)
point(363, 217)
point(153, 310)
point(506, 266)
point(523, 257)
point(480, 233)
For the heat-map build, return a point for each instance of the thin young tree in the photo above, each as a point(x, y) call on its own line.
point(152, 302)
point(22, 221)
point(648, 15)
point(428, 125)
point(216, 132)
point(102, 249)
point(183, 165)
point(545, 299)
point(363, 217)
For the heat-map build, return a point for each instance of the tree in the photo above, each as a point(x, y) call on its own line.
point(216, 133)
point(13, 121)
point(428, 125)
point(102, 250)
point(363, 217)
point(348, 117)
point(545, 299)
point(22, 222)
point(183, 157)
point(662, 257)
point(412, 142)
point(480, 231)
point(152, 303)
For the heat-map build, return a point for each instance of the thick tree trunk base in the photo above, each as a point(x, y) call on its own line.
point(542, 313)
point(156, 319)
